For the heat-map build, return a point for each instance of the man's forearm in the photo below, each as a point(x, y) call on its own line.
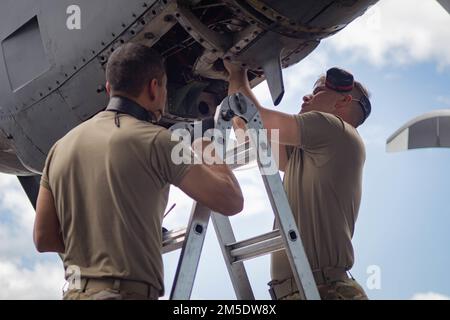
point(206, 151)
point(226, 172)
point(57, 246)
point(49, 243)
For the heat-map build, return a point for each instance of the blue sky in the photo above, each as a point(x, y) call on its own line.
point(404, 215)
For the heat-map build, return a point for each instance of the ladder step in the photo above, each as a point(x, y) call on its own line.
point(173, 240)
point(239, 251)
point(256, 246)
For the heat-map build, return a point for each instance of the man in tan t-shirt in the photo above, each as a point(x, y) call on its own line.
point(105, 186)
point(322, 156)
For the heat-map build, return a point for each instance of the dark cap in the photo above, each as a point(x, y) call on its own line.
point(343, 81)
point(339, 80)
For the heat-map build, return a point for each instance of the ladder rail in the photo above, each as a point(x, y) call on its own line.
point(241, 106)
point(190, 253)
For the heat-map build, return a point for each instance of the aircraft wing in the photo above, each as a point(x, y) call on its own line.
point(431, 130)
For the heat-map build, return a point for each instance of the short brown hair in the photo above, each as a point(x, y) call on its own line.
point(132, 66)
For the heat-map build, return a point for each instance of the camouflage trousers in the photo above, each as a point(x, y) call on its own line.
point(102, 294)
point(347, 289)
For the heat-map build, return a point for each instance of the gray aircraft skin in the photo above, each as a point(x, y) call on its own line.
point(430, 130)
point(52, 71)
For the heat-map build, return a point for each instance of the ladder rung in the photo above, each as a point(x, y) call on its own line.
point(173, 240)
point(256, 246)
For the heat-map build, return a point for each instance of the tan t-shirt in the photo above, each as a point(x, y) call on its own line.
point(111, 188)
point(323, 184)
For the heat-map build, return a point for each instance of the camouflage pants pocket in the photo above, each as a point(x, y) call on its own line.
point(339, 290)
point(343, 290)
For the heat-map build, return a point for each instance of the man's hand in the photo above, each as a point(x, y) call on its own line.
point(234, 70)
point(237, 77)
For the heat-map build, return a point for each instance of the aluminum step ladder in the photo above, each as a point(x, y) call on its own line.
point(235, 252)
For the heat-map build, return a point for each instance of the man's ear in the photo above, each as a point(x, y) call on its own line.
point(153, 89)
point(344, 101)
point(108, 88)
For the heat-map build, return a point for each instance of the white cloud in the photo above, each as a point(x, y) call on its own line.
point(16, 220)
point(398, 32)
point(430, 296)
point(24, 274)
point(43, 282)
point(302, 77)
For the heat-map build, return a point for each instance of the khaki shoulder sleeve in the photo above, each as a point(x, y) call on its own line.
point(161, 158)
point(318, 130)
point(45, 180)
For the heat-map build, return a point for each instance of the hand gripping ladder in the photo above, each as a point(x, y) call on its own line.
point(235, 252)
